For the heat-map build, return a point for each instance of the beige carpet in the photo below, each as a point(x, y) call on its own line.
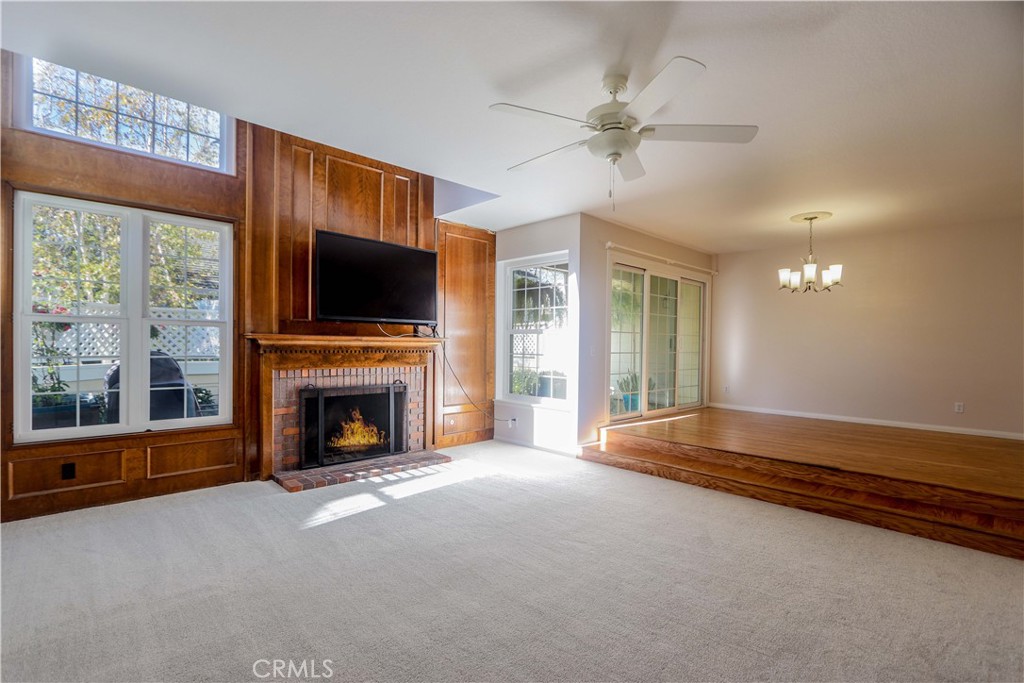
point(506, 564)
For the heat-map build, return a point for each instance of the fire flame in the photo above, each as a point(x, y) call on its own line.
point(356, 432)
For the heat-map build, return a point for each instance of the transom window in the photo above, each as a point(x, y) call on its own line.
point(60, 100)
point(114, 305)
point(539, 351)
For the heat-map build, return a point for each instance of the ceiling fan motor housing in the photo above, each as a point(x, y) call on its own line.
point(613, 139)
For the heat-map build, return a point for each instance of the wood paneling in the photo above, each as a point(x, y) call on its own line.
point(466, 312)
point(112, 469)
point(296, 234)
point(168, 460)
point(457, 423)
point(426, 230)
point(115, 469)
point(64, 473)
point(323, 188)
point(961, 489)
point(355, 199)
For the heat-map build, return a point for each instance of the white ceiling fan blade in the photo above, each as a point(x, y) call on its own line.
point(538, 114)
point(698, 133)
point(567, 148)
point(670, 81)
point(630, 167)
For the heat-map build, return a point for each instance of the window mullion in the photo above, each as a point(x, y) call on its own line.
point(134, 285)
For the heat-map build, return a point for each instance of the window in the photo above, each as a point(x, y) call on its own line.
point(657, 333)
point(62, 101)
point(539, 350)
point(114, 304)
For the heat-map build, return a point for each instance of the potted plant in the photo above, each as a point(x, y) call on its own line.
point(629, 388)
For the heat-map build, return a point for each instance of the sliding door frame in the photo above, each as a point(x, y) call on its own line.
point(657, 268)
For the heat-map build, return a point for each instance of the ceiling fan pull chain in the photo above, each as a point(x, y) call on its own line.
point(611, 182)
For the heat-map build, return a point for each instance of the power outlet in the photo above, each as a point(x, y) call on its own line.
point(958, 407)
point(727, 388)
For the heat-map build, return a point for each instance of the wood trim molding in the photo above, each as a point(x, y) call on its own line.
point(298, 343)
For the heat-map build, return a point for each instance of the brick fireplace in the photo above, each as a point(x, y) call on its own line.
point(288, 385)
point(291, 363)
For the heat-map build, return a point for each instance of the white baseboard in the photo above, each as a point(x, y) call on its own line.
point(868, 421)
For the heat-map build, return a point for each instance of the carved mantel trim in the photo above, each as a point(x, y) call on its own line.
point(294, 351)
point(300, 343)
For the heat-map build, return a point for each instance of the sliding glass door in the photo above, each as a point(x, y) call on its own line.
point(656, 344)
point(626, 340)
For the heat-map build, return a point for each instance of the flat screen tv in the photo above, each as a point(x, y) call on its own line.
point(364, 280)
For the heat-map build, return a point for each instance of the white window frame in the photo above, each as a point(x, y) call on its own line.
point(133, 317)
point(652, 267)
point(503, 302)
point(22, 118)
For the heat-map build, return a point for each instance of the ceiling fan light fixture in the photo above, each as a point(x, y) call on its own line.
point(614, 142)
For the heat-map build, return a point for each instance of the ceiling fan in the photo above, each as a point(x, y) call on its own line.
point(614, 124)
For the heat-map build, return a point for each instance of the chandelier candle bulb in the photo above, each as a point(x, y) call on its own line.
point(837, 273)
point(783, 277)
point(826, 278)
point(794, 280)
point(810, 272)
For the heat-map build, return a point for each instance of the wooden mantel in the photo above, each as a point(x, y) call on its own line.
point(301, 343)
point(294, 352)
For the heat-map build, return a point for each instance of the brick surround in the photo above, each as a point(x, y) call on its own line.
point(288, 383)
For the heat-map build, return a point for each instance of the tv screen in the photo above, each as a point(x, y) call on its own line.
point(368, 281)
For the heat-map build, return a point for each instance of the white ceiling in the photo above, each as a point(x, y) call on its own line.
point(889, 115)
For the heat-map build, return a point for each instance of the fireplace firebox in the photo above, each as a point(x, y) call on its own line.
point(351, 423)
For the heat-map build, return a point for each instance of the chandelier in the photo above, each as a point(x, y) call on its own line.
point(805, 279)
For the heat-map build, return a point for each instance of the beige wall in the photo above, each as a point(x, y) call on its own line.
point(926, 318)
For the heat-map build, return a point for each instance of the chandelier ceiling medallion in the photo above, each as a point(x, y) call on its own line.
point(805, 279)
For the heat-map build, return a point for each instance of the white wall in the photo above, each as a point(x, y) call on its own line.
point(540, 426)
point(925, 318)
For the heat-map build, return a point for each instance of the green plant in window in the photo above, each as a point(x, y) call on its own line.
point(46, 346)
point(629, 383)
point(206, 400)
point(525, 382)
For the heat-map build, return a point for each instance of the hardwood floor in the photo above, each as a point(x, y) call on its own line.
point(950, 487)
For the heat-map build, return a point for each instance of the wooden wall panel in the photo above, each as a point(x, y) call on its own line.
point(115, 469)
point(400, 202)
point(354, 195)
point(65, 472)
point(168, 460)
point(323, 188)
point(425, 225)
point(465, 398)
point(295, 233)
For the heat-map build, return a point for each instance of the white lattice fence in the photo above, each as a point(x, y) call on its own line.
point(101, 341)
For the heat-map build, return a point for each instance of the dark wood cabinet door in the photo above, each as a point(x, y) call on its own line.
point(464, 400)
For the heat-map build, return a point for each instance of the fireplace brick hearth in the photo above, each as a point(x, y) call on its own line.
point(294, 481)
